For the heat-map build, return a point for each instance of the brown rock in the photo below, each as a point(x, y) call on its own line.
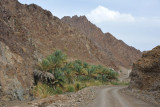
point(146, 71)
point(145, 76)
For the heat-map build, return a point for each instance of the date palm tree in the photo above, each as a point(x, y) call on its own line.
point(91, 72)
point(69, 73)
point(47, 69)
point(59, 78)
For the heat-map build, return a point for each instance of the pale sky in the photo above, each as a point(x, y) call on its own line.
point(136, 22)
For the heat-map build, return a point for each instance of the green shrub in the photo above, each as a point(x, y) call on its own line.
point(70, 88)
point(77, 86)
point(58, 91)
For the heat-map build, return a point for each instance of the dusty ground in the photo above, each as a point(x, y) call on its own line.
point(112, 97)
point(75, 99)
point(143, 95)
point(97, 96)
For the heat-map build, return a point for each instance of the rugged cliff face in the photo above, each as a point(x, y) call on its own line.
point(115, 50)
point(145, 75)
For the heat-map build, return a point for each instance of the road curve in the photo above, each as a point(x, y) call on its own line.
point(112, 97)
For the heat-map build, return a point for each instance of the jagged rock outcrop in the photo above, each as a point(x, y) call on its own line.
point(145, 75)
point(116, 51)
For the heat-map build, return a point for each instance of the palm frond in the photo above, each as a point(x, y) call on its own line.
point(43, 75)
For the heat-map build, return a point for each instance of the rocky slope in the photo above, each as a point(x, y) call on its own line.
point(27, 34)
point(73, 99)
point(116, 51)
point(145, 75)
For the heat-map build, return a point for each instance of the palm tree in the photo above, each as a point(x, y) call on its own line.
point(57, 59)
point(69, 73)
point(79, 70)
point(42, 76)
point(112, 74)
point(44, 65)
point(91, 72)
point(85, 65)
point(79, 62)
point(59, 78)
point(47, 69)
point(60, 59)
point(108, 74)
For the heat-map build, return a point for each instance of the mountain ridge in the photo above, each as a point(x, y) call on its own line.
point(104, 41)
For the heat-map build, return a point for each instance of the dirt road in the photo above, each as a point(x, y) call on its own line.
point(112, 97)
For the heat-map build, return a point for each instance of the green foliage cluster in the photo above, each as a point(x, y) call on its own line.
point(70, 88)
point(73, 73)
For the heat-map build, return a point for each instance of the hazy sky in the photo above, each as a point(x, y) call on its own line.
point(136, 22)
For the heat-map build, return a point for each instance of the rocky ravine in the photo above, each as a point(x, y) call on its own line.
point(29, 33)
point(145, 76)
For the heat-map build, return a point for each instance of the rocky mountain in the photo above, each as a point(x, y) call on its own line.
point(145, 75)
point(115, 50)
point(29, 33)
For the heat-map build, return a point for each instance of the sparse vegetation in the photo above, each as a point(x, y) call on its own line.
point(70, 88)
point(54, 75)
point(77, 86)
point(119, 83)
point(43, 90)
